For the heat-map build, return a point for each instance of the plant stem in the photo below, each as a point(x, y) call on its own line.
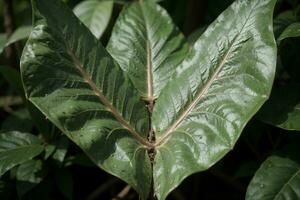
point(123, 193)
point(10, 51)
point(102, 188)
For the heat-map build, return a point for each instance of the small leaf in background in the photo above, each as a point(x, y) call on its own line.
point(64, 181)
point(19, 34)
point(16, 148)
point(95, 15)
point(21, 116)
point(282, 21)
point(283, 108)
point(61, 148)
point(12, 76)
point(49, 150)
point(292, 30)
point(246, 169)
point(3, 40)
point(278, 178)
point(29, 174)
point(290, 59)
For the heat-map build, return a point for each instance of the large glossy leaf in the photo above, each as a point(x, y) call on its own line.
point(283, 108)
point(95, 15)
point(221, 84)
point(16, 148)
point(198, 116)
point(148, 49)
point(278, 178)
point(71, 78)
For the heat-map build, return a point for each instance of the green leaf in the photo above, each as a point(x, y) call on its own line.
point(283, 108)
point(18, 120)
point(292, 30)
point(72, 79)
point(19, 34)
point(95, 15)
point(3, 40)
point(16, 148)
point(283, 20)
point(197, 118)
point(12, 76)
point(147, 49)
point(61, 148)
point(277, 178)
point(64, 182)
point(29, 174)
point(221, 84)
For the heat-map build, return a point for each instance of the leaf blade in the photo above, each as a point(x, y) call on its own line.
point(146, 48)
point(95, 15)
point(72, 79)
point(217, 89)
point(16, 148)
point(277, 178)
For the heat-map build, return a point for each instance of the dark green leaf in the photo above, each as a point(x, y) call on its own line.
point(12, 76)
point(278, 178)
point(18, 120)
point(16, 148)
point(29, 174)
point(292, 30)
point(61, 148)
point(282, 21)
point(283, 108)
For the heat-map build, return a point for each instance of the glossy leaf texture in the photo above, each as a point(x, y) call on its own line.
point(278, 178)
point(220, 85)
point(283, 108)
point(95, 15)
point(17, 148)
point(148, 46)
point(72, 79)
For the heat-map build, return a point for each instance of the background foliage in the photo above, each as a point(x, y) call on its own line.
point(56, 169)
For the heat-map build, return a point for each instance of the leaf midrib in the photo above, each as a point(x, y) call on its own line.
point(203, 91)
point(105, 101)
point(21, 147)
point(149, 65)
point(285, 185)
